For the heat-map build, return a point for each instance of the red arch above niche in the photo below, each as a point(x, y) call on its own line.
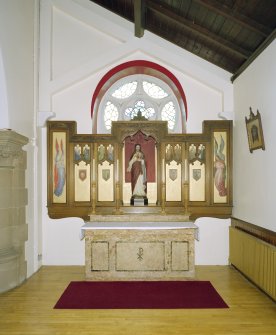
point(138, 67)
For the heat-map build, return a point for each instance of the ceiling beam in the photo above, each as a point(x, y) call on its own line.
point(245, 21)
point(193, 27)
point(256, 53)
point(139, 18)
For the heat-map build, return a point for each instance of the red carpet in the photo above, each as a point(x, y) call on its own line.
point(142, 294)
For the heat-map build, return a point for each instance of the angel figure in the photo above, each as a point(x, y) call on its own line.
point(220, 168)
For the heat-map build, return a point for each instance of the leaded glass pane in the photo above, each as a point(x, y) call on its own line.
point(110, 114)
point(149, 112)
point(125, 91)
point(154, 91)
point(168, 114)
point(139, 106)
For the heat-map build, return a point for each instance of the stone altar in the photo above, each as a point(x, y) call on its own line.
point(135, 250)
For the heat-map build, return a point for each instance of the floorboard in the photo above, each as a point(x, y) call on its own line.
point(28, 309)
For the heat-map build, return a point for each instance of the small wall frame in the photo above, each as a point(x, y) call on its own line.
point(254, 131)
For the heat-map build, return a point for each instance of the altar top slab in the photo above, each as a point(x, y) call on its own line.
point(140, 218)
point(161, 225)
point(139, 225)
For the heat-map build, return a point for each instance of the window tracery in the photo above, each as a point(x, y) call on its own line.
point(140, 93)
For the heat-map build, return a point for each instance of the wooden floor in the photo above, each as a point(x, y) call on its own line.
point(28, 309)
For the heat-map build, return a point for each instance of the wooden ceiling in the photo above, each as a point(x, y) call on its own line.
point(227, 33)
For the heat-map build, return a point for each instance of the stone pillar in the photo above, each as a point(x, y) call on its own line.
point(13, 200)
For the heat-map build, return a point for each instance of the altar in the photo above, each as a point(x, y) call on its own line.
point(135, 250)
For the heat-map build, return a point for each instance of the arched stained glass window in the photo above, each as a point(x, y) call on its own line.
point(139, 93)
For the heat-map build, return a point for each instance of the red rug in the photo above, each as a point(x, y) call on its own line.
point(141, 294)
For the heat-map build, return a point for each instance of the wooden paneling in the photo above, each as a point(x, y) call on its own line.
point(255, 258)
point(257, 231)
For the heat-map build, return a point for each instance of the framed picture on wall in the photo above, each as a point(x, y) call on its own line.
point(254, 131)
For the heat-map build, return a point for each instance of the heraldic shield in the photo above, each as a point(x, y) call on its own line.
point(196, 174)
point(82, 175)
point(173, 174)
point(106, 174)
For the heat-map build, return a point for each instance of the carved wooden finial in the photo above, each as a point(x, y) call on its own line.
point(139, 117)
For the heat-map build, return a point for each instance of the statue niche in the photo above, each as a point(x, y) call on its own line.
point(140, 168)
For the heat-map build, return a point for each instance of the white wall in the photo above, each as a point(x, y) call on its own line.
point(254, 173)
point(18, 80)
point(213, 244)
point(17, 18)
point(4, 111)
point(79, 43)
